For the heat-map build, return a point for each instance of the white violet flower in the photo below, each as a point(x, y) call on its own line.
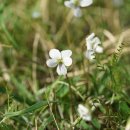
point(93, 46)
point(84, 112)
point(76, 5)
point(60, 59)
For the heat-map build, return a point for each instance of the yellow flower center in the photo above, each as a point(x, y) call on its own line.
point(59, 61)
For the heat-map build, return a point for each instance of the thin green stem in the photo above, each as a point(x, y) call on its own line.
point(52, 114)
point(71, 99)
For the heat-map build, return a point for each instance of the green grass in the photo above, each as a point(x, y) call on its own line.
point(33, 96)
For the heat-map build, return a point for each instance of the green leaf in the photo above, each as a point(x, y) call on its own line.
point(9, 36)
point(2, 89)
point(96, 123)
point(102, 109)
point(62, 90)
point(46, 123)
point(84, 125)
point(22, 89)
point(4, 126)
point(27, 110)
point(124, 109)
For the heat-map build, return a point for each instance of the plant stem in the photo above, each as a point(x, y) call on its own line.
point(71, 99)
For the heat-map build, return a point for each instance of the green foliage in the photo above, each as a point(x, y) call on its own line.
point(96, 124)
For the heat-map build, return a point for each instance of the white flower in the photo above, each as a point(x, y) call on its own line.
point(93, 46)
point(128, 125)
point(90, 54)
point(84, 112)
point(76, 5)
point(60, 59)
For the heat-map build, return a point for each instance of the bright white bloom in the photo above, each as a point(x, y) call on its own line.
point(93, 46)
point(128, 125)
point(84, 112)
point(76, 5)
point(60, 59)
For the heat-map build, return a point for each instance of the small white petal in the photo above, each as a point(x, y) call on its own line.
point(90, 55)
point(82, 109)
point(84, 112)
point(51, 63)
point(84, 3)
point(90, 37)
point(99, 49)
point(96, 46)
point(97, 40)
point(55, 54)
point(61, 69)
point(69, 4)
point(77, 12)
point(67, 61)
point(66, 53)
point(89, 45)
point(90, 41)
point(87, 118)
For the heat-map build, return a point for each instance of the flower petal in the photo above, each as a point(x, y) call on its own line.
point(51, 63)
point(84, 112)
point(90, 41)
point(66, 53)
point(97, 40)
point(82, 109)
point(84, 3)
point(96, 46)
point(67, 61)
point(90, 55)
point(61, 69)
point(77, 12)
point(99, 49)
point(69, 4)
point(55, 54)
point(87, 117)
point(89, 45)
point(90, 37)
